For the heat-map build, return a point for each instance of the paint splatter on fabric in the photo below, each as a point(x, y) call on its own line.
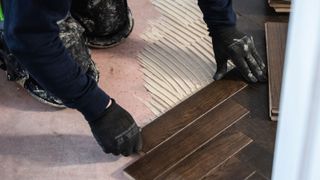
point(107, 22)
point(71, 35)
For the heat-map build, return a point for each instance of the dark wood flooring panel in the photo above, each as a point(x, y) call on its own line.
point(213, 154)
point(189, 110)
point(258, 158)
point(232, 169)
point(276, 37)
point(187, 141)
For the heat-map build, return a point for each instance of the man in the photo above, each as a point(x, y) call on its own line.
point(32, 35)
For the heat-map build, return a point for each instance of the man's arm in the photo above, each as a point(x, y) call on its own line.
point(230, 43)
point(32, 35)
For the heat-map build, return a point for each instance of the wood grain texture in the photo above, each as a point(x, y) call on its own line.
point(276, 37)
point(213, 154)
point(187, 141)
point(232, 169)
point(186, 112)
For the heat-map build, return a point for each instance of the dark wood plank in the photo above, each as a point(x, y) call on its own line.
point(258, 158)
point(232, 169)
point(188, 111)
point(213, 154)
point(187, 141)
point(276, 37)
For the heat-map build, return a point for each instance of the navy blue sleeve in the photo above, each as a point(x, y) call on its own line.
point(217, 13)
point(32, 35)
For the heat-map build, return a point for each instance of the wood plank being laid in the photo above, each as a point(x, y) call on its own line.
point(208, 157)
point(276, 37)
point(187, 141)
point(232, 169)
point(188, 111)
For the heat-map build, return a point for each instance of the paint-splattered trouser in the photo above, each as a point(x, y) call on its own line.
point(31, 33)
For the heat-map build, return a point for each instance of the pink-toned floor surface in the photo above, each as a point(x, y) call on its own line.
point(40, 142)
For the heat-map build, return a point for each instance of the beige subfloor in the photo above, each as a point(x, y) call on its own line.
point(178, 59)
point(40, 142)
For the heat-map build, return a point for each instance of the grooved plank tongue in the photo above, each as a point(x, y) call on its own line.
point(233, 168)
point(214, 153)
point(189, 110)
point(187, 141)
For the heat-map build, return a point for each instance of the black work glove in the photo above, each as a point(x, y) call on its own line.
point(229, 43)
point(116, 131)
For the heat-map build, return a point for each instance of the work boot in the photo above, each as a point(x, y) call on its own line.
point(107, 22)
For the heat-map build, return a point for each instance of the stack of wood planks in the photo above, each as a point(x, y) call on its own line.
point(276, 37)
point(280, 6)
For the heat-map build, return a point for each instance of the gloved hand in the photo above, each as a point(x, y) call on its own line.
point(116, 131)
point(229, 43)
